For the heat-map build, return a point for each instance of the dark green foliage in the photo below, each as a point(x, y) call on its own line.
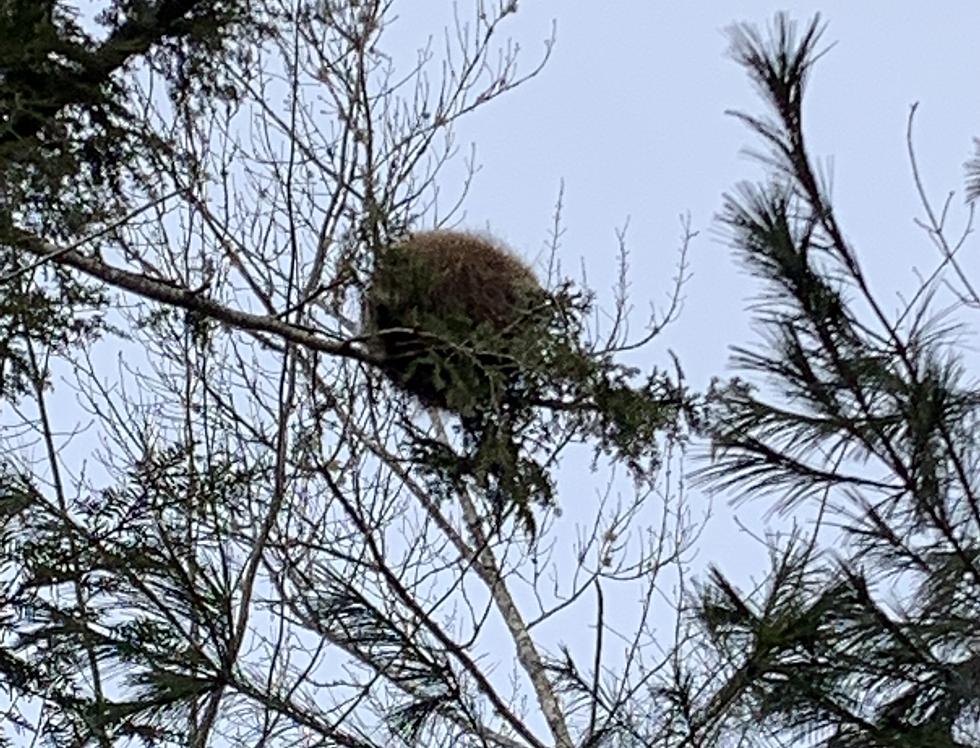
point(123, 585)
point(415, 664)
point(65, 125)
point(869, 417)
point(69, 138)
point(46, 310)
point(70, 147)
point(115, 585)
point(140, 613)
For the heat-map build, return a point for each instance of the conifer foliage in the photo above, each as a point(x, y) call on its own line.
point(868, 632)
point(221, 523)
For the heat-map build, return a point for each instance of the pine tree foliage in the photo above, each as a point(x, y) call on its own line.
point(867, 634)
point(973, 174)
point(72, 153)
point(220, 524)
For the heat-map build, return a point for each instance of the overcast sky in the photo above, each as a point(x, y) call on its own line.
point(629, 112)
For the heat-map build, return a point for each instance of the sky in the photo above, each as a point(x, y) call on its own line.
point(629, 114)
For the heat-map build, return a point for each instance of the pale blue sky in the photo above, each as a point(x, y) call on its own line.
point(629, 112)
